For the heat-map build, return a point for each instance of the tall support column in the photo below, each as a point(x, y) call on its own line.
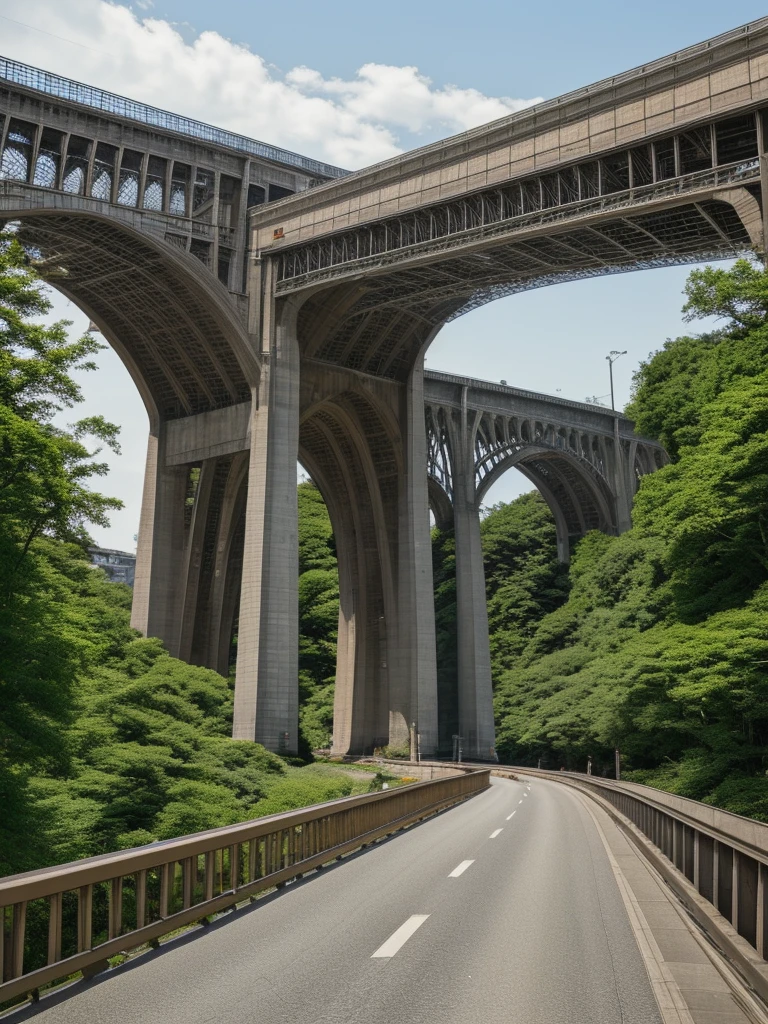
point(267, 678)
point(413, 686)
point(160, 550)
point(476, 725)
point(624, 493)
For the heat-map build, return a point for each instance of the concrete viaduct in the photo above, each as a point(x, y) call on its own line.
point(272, 308)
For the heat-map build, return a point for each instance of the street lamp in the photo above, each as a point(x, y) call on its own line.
point(614, 355)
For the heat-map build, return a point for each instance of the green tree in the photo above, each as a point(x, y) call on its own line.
point(524, 580)
point(43, 469)
point(318, 617)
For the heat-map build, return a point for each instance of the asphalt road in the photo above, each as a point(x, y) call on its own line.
point(504, 909)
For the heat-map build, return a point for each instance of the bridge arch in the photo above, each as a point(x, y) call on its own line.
point(579, 497)
point(350, 445)
point(178, 330)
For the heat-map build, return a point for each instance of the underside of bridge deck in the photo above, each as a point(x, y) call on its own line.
point(264, 332)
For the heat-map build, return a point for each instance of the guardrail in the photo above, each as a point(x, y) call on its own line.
point(724, 856)
point(111, 103)
point(73, 917)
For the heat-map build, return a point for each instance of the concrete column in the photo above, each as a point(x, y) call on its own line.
point(413, 686)
point(476, 725)
point(266, 685)
point(212, 648)
point(161, 546)
point(193, 558)
point(624, 493)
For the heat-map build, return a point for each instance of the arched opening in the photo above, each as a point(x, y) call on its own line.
point(178, 337)
point(348, 445)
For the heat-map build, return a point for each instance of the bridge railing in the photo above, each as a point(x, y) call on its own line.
point(74, 917)
point(99, 99)
point(723, 856)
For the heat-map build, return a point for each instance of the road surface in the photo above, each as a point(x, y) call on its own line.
point(504, 909)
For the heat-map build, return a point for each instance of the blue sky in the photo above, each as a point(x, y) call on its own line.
point(503, 49)
point(352, 83)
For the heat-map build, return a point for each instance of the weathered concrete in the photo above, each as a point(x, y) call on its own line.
point(313, 347)
point(266, 688)
point(208, 435)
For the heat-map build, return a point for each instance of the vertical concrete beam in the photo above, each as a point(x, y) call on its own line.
point(213, 651)
point(267, 679)
point(193, 556)
point(413, 686)
point(623, 487)
point(160, 550)
point(476, 725)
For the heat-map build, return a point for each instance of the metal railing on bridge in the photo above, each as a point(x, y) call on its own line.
point(132, 110)
point(73, 917)
point(723, 856)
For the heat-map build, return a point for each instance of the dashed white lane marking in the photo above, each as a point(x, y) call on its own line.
point(525, 794)
point(460, 869)
point(519, 801)
point(399, 938)
point(494, 834)
point(511, 816)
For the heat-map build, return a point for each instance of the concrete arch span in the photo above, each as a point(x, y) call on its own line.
point(181, 337)
point(375, 318)
point(579, 498)
point(352, 449)
point(177, 329)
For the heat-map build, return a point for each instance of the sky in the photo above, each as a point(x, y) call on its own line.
point(352, 84)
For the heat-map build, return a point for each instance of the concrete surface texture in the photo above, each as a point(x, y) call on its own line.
point(270, 308)
point(523, 905)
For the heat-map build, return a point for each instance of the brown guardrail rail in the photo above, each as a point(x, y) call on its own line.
point(723, 856)
point(73, 917)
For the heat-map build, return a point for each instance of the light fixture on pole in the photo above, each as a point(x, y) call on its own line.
point(612, 357)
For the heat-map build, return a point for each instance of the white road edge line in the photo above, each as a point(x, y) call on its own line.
point(511, 816)
point(399, 938)
point(460, 869)
point(494, 834)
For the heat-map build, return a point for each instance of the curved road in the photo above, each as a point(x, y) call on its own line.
point(532, 931)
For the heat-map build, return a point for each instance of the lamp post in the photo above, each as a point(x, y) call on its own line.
point(612, 357)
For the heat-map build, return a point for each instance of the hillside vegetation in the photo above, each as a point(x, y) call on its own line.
point(105, 740)
point(661, 648)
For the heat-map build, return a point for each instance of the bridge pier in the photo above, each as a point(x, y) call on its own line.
point(475, 687)
point(161, 546)
point(413, 699)
point(266, 683)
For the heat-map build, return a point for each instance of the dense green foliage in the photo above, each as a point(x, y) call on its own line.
point(662, 645)
point(105, 740)
point(523, 579)
point(318, 617)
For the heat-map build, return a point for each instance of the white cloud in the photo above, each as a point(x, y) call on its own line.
point(350, 123)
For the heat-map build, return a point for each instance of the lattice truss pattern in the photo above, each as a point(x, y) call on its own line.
point(192, 184)
point(176, 345)
point(50, 158)
point(572, 467)
point(650, 206)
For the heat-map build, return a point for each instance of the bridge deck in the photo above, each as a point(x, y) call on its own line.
point(505, 908)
